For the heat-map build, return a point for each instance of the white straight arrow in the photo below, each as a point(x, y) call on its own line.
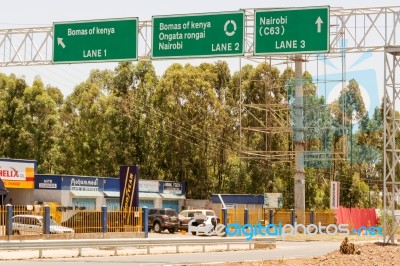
point(60, 42)
point(319, 22)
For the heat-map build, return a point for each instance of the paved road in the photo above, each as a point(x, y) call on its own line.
point(283, 250)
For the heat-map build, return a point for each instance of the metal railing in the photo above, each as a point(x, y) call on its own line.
point(277, 216)
point(238, 215)
point(31, 220)
point(40, 245)
point(84, 221)
point(26, 214)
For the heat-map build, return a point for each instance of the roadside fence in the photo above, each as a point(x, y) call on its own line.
point(276, 216)
point(36, 220)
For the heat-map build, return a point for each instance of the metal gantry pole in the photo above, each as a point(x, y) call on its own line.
point(367, 29)
point(391, 149)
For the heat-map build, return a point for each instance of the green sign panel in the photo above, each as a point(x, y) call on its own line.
point(198, 35)
point(287, 31)
point(95, 41)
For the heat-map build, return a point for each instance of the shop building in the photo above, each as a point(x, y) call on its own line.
point(22, 186)
point(93, 192)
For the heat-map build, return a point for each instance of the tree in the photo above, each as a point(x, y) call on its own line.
point(41, 125)
point(85, 138)
point(11, 115)
point(349, 107)
point(190, 126)
point(265, 95)
point(28, 121)
point(346, 110)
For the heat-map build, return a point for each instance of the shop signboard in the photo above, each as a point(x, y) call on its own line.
point(18, 173)
point(172, 187)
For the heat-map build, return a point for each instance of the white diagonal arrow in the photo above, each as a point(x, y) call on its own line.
point(60, 42)
point(319, 22)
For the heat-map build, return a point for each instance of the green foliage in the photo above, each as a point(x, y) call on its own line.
point(29, 121)
point(186, 126)
point(349, 107)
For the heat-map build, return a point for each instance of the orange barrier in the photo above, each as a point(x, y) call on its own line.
point(357, 217)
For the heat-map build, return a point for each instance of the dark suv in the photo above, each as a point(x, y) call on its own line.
point(161, 219)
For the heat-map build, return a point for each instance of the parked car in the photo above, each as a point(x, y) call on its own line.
point(187, 215)
point(161, 219)
point(206, 221)
point(26, 224)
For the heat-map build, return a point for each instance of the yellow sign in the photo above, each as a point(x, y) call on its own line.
point(19, 184)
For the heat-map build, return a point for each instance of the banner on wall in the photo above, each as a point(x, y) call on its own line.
point(17, 173)
point(149, 186)
point(273, 200)
point(129, 190)
point(48, 182)
point(172, 187)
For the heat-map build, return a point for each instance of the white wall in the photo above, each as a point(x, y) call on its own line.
point(20, 196)
point(47, 195)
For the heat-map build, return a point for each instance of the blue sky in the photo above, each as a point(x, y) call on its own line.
point(27, 13)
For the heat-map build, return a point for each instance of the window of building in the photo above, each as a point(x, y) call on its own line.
point(146, 203)
point(113, 204)
point(173, 204)
point(86, 203)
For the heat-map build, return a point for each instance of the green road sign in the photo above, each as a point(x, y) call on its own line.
point(95, 40)
point(286, 31)
point(198, 35)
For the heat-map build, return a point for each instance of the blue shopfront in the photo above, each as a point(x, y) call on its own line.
point(161, 194)
point(93, 192)
point(172, 194)
point(77, 191)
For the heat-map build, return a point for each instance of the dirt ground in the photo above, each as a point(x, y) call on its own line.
point(371, 252)
point(374, 254)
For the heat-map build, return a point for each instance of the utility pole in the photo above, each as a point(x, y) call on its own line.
point(299, 175)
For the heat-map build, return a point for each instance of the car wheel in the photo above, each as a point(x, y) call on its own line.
point(194, 233)
point(16, 232)
point(157, 227)
point(172, 230)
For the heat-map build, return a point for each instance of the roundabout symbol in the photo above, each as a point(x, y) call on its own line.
point(230, 33)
